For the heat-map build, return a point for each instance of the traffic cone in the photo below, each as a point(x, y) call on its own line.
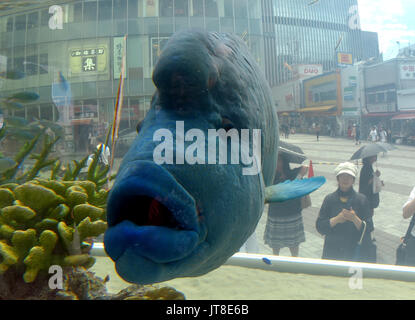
point(310, 170)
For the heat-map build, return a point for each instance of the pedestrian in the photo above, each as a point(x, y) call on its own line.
point(317, 131)
point(286, 130)
point(344, 219)
point(389, 132)
point(373, 135)
point(366, 182)
point(408, 211)
point(353, 133)
point(383, 135)
point(284, 226)
point(357, 137)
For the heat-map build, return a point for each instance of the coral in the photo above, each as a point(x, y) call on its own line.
point(45, 222)
point(80, 284)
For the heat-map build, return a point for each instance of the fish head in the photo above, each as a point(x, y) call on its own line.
point(180, 205)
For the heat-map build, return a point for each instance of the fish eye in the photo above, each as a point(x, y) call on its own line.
point(227, 124)
point(138, 127)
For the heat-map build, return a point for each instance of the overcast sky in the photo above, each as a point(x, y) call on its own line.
point(394, 20)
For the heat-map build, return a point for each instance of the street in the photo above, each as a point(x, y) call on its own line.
point(397, 171)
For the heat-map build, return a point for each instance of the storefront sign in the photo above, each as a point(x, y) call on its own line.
point(406, 100)
point(307, 70)
point(85, 60)
point(344, 59)
point(321, 90)
point(349, 93)
point(407, 71)
point(120, 46)
point(86, 112)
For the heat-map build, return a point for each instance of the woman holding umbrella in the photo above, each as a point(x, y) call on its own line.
point(368, 154)
point(284, 227)
point(366, 182)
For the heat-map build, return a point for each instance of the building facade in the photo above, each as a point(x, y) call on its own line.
point(82, 41)
point(389, 98)
point(314, 32)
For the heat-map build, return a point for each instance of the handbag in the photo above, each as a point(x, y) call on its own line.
point(402, 250)
point(377, 184)
point(365, 250)
point(305, 201)
point(357, 253)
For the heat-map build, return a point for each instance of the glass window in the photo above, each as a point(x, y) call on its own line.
point(380, 97)
point(132, 9)
point(33, 20)
point(33, 113)
point(211, 8)
point(104, 10)
point(241, 9)
point(254, 9)
point(20, 23)
point(166, 8)
point(391, 96)
point(32, 66)
point(46, 112)
point(156, 47)
point(44, 17)
point(9, 27)
point(181, 8)
point(197, 8)
point(77, 12)
point(18, 64)
point(90, 11)
point(150, 8)
point(371, 98)
point(120, 9)
point(228, 8)
point(43, 62)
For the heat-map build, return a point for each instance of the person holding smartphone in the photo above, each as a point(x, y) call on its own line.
point(342, 215)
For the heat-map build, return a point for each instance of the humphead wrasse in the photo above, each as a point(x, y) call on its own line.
point(177, 209)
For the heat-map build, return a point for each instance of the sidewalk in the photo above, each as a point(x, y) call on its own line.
point(397, 169)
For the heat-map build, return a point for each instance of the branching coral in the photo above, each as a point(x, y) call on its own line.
point(44, 222)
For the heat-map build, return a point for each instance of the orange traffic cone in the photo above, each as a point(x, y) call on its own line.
point(310, 170)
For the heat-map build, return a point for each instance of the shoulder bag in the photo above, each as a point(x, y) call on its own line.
point(402, 251)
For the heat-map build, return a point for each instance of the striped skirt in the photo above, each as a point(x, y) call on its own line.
point(281, 232)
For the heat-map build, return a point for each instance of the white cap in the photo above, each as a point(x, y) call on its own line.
point(346, 167)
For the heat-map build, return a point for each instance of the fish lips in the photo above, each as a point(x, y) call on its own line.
point(131, 238)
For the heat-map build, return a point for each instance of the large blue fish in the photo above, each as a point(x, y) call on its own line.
point(168, 220)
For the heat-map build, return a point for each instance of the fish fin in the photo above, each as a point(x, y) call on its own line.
point(292, 189)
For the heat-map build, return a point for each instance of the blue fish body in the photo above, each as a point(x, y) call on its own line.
point(179, 219)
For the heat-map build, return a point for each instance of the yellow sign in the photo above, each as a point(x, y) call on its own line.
point(88, 60)
point(321, 90)
point(344, 59)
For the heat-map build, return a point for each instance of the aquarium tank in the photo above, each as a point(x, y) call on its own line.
point(206, 150)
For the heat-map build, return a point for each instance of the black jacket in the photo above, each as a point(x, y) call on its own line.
point(366, 185)
point(341, 240)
